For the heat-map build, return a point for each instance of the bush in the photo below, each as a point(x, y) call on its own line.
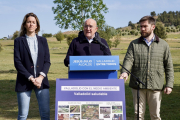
point(70, 38)
point(132, 32)
point(60, 36)
point(160, 30)
point(136, 33)
point(65, 35)
point(46, 35)
point(116, 43)
point(167, 30)
point(177, 26)
point(0, 47)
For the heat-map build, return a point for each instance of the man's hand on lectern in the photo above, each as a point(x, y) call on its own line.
point(124, 75)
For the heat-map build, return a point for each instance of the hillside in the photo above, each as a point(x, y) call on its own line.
point(71, 32)
point(170, 18)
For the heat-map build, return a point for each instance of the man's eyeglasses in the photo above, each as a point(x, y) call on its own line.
point(90, 26)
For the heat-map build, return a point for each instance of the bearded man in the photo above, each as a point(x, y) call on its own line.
point(148, 58)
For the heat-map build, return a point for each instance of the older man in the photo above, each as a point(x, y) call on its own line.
point(87, 42)
point(148, 58)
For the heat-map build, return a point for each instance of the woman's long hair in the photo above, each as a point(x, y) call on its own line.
point(23, 30)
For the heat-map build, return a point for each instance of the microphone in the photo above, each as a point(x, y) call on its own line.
point(99, 41)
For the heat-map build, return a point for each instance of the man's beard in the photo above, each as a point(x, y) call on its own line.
point(146, 34)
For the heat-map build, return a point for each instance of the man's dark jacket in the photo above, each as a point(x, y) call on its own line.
point(81, 47)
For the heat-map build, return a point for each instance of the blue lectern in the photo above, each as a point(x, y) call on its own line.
point(93, 67)
point(92, 90)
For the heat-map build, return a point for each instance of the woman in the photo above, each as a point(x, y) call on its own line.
point(32, 62)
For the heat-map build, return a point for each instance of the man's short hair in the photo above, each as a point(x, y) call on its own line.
point(150, 20)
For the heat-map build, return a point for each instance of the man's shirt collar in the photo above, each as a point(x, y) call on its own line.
point(149, 42)
point(90, 39)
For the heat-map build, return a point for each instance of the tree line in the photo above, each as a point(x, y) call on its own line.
point(169, 18)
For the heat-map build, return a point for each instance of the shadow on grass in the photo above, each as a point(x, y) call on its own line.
point(176, 67)
point(8, 71)
point(9, 107)
point(175, 47)
point(123, 54)
point(9, 45)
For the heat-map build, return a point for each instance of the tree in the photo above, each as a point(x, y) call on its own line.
point(130, 23)
point(138, 27)
point(15, 35)
point(160, 30)
point(47, 35)
point(73, 13)
point(60, 36)
point(70, 38)
point(118, 32)
point(109, 42)
point(153, 14)
point(116, 42)
point(133, 26)
point(106, 34)
point(5, 38)
point(65, 35)
point(113, 31)
point(117, 39)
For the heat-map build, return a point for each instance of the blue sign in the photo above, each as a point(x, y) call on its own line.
point(90, 99)
point(94, 63)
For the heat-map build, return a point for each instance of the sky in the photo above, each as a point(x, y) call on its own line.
point(120, 13)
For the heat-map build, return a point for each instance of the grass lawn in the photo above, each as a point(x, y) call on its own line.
point(170, 108)
point(175, 35)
